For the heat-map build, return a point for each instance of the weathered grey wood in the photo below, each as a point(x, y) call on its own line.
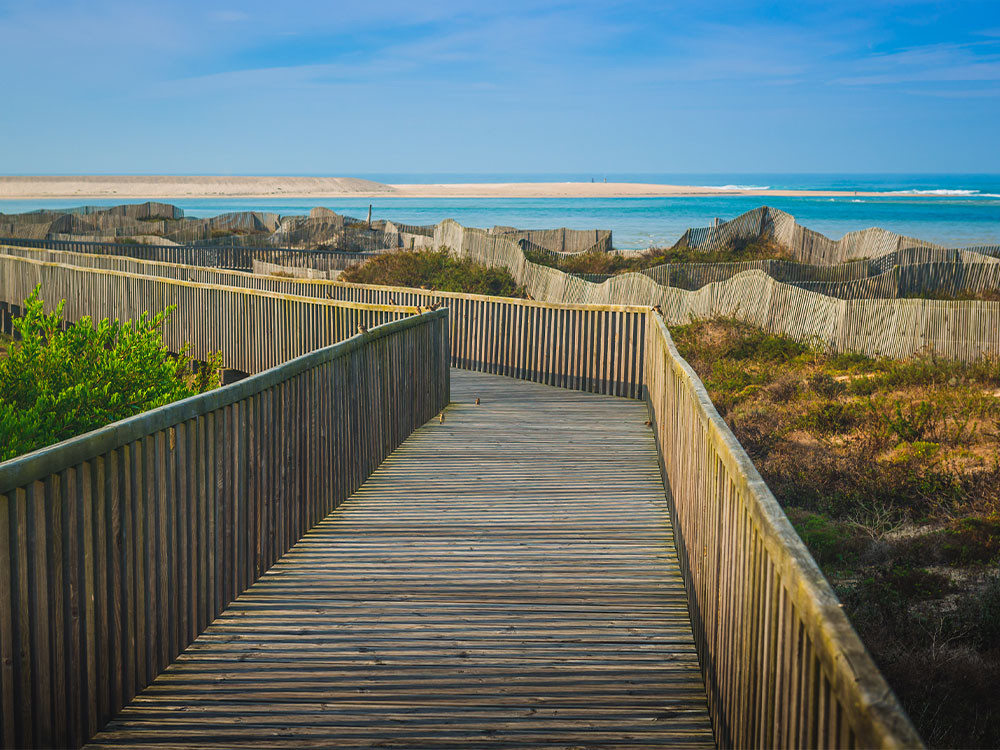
point(495, 581)
point(776, 295)
point(205, 313)
point(98, 534)
point(764, 616)
point(480, 336)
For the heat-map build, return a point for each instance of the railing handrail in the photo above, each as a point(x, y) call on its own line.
point(854, 675)
point(208, 285)
point(19, 471)
point(191, 246)
point(333, 283)
point(580, 346)
point(852, 679)
point(122, 545)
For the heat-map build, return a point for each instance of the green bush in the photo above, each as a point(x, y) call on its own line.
point(972, 540)
point(434, 269)
point(56, 384)
point(829, 418)
point(824, 384)
point(983, 611)
point(830, 541)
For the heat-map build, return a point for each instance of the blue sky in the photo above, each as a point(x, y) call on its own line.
point(255, 87)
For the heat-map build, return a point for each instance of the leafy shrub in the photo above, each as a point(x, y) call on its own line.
point(829, 418)
point(434, 269)
point(972, 540)
point(56, 384)
point(862, 387)
point(912, 422)
point(824, 384)
point(592, 261)
point(766, 347)
point(829, 541)
point(983, 612)
point(849, 361)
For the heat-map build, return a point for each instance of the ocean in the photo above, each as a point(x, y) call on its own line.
point(953, 210)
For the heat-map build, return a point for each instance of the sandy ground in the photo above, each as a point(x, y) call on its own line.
point(134, 187)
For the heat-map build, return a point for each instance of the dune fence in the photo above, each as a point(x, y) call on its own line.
point(596, 348)
point(898, 328)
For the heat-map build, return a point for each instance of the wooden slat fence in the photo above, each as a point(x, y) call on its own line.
point(120, 546)
point(211, 256)
point(597, 348)
point(255, 330)
point(782, 665)
point(899, 328)
point(559, 242)
point(963, 330)
point(899, 273)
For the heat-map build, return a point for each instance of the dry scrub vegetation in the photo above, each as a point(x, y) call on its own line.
point(983, 295)
point(890, 472)
point(596, 262)
point(436, 270)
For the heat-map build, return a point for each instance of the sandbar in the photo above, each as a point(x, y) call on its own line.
point(168, 187)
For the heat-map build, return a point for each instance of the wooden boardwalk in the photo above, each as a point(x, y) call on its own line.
point(505, 578)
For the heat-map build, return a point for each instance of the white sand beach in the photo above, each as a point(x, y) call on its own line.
point(166, 187)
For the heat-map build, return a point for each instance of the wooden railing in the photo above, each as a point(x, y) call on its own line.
point(964, 330)
point(782, 665)
point(596, 348)
point(211, 256)
point(117, 548)
point(255, 330)
point(896, 328)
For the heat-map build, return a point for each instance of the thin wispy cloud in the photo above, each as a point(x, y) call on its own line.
point(661, 85)
point(229, 16)
point(932, 63)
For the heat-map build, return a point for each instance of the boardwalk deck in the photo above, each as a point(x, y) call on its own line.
point(505, 578)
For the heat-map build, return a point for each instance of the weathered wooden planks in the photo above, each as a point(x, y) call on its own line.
point(496, 581)
point(783, 667)
point(118, 547)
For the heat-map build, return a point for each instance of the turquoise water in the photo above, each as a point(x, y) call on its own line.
point(968, 213)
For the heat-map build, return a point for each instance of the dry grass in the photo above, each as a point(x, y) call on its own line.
point(612, 263)
point(890, 472)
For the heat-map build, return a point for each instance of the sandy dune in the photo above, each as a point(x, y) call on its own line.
point(142, 187)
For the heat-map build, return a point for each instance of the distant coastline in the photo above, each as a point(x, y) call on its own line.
point(135, 187)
